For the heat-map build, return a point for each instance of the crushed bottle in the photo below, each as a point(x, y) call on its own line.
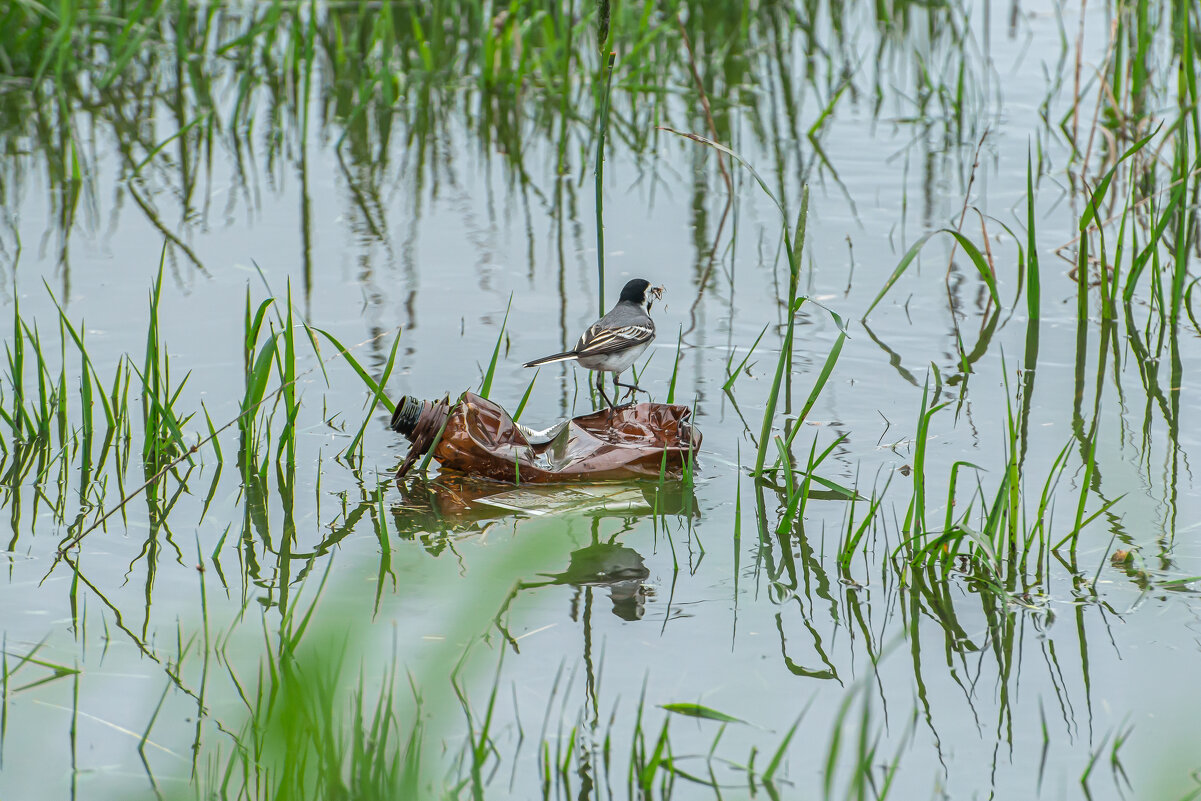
point(476, 437)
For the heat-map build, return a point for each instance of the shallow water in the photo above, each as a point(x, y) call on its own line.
point(969, 692)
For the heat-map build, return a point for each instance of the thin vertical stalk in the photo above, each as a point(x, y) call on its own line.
point(603, 124)
point(794, 251)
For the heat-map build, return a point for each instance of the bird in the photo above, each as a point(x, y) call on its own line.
point(613, 342)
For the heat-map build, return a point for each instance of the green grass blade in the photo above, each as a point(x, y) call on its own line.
point(486, 386)
point(702, 712)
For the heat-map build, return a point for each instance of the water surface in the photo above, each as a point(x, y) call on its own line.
point(430, 203)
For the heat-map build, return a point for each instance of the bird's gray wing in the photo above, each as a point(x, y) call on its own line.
point(601, 339)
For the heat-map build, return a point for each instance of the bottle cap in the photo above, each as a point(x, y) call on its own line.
point(419, 422)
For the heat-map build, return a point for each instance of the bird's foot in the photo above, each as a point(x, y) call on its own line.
point(628, 398)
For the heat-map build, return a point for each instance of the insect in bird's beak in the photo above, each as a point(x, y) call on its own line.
point(653, 294)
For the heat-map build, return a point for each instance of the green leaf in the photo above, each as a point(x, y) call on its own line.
point(486, 387)
point(973, 252)
point(1103, 184)
point(981, 263)
point(698, 711)
point(358, 368)
point(716, 146)
point(901, 267)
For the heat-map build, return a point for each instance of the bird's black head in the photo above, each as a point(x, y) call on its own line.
point(635, 291)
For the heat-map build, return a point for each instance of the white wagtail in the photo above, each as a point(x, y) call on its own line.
point(613, 342)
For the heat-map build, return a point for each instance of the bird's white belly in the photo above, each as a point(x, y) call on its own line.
point(613, 362)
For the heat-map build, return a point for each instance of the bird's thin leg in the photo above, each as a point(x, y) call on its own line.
point(600, 387)
point(617, 390)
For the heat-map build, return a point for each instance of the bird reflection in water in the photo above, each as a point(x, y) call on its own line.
point(452, 506)
point(436, 512)
point(605, 564)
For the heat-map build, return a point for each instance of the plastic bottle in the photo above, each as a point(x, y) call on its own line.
point(479, 438)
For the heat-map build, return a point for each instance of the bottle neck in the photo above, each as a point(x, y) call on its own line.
point(419, 422)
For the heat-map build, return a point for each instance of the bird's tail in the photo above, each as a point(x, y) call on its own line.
point(558, 357)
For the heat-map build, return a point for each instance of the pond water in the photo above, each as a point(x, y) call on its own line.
point(454, 207)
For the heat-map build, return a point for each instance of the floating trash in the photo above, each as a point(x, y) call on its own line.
point(476, 437)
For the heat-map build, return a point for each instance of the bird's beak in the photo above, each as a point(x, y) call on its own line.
point(653, 294)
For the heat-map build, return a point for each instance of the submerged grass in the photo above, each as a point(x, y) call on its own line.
point(45, 433)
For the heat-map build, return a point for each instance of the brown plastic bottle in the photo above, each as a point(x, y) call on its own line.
point(480, 439)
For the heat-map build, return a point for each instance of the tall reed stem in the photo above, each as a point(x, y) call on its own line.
point(794, 250)
point(600, 179)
